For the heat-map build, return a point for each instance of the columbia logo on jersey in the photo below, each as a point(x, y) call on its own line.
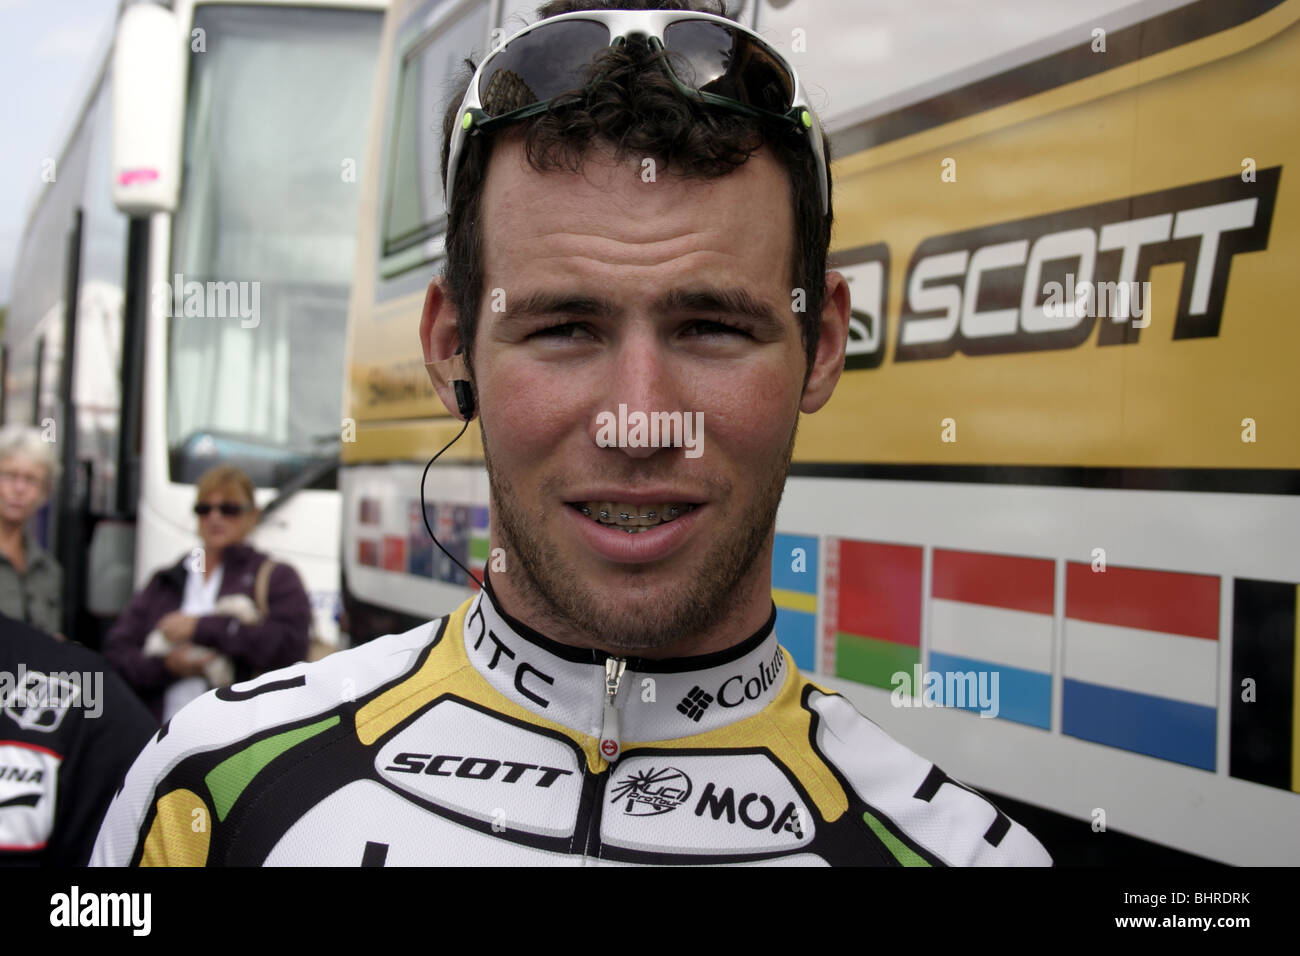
point(695, 703)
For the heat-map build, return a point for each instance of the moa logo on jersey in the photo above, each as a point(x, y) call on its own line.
point(755, 810)
point(652, 791)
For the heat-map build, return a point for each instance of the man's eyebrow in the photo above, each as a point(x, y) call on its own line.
point(726, 301)
point(537, 304)
point(709, 299)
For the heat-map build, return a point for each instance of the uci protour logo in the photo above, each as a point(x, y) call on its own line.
point(652, 791)
point(653, 430)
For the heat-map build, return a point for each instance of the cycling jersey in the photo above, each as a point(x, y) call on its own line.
point(475, 740)
point(69, 730)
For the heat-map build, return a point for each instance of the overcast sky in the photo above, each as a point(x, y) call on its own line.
point(49, 51)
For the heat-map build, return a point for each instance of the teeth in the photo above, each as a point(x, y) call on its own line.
point(633, 518)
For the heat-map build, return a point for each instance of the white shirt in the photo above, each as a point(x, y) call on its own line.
point(200, 598)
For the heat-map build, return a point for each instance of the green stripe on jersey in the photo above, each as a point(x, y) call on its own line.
point(228, 779)
point(902, 853)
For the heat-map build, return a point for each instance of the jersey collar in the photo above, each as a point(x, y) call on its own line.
point(656, 700)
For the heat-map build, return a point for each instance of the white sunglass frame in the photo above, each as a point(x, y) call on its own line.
point(651, 25)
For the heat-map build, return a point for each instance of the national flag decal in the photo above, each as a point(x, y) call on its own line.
point(1141, 661)
point(794, 591)
point(1264, 742)
point(992, 614)
point(479, 543)
point(873, 610)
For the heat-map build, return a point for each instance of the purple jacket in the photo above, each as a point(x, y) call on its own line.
point(277, 642)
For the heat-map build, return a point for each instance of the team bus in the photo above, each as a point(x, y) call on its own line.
point(192, 247)
point(1044, 532)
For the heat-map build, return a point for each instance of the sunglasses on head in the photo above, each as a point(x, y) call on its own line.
point(226, 508)
point(709, 58)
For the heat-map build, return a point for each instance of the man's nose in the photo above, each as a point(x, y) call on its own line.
point(642, 380)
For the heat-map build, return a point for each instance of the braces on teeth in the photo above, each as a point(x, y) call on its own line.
point(673, 512)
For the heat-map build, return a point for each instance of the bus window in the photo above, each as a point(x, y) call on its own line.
point(414, 210)
point(264, 240)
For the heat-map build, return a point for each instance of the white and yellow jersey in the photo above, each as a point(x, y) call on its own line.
point(475, 740)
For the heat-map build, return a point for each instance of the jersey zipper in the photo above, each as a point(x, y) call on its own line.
point(611, 743)
point(610, 746)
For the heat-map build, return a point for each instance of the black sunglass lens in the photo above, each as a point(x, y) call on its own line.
point(712, 58)
point(226, 508)
point(541, 65)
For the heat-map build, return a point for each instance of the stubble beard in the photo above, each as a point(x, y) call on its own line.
point(637, 618)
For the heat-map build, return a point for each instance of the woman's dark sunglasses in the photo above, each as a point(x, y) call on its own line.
point(226, 508)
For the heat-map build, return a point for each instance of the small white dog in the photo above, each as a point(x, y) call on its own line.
point(220, 669)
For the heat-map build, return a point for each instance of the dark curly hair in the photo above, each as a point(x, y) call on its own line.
point(629, 102)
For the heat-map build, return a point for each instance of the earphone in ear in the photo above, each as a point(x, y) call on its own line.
point(465, 406)
point(464, 398)
point(441, 370)
point(464, 393)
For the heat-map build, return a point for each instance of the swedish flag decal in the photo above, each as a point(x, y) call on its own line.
point(794, 590)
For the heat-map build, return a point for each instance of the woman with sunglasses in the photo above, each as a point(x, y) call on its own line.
point(201, 622)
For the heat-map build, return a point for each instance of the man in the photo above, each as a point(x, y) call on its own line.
point(639, 247)
point(69, 730)
point(31, 581)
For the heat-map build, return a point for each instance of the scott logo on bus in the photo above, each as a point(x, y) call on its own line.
point(998, 289)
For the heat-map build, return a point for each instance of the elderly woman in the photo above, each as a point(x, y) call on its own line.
point(31, 581)
point(205, 614)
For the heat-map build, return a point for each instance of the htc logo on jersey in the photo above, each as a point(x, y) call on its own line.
point(522, 668)
point(475, 768)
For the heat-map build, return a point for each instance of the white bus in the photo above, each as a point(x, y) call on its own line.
point(215, 172)
point(1097, 504)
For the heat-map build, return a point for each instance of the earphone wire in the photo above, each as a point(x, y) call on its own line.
point(424, 512)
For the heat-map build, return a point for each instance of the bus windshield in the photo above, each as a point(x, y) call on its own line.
point(263, 240)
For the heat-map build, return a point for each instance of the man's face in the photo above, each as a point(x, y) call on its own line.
point(663, 296)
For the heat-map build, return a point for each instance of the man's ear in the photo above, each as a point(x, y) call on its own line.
point(440, 340)
point(828, 363)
